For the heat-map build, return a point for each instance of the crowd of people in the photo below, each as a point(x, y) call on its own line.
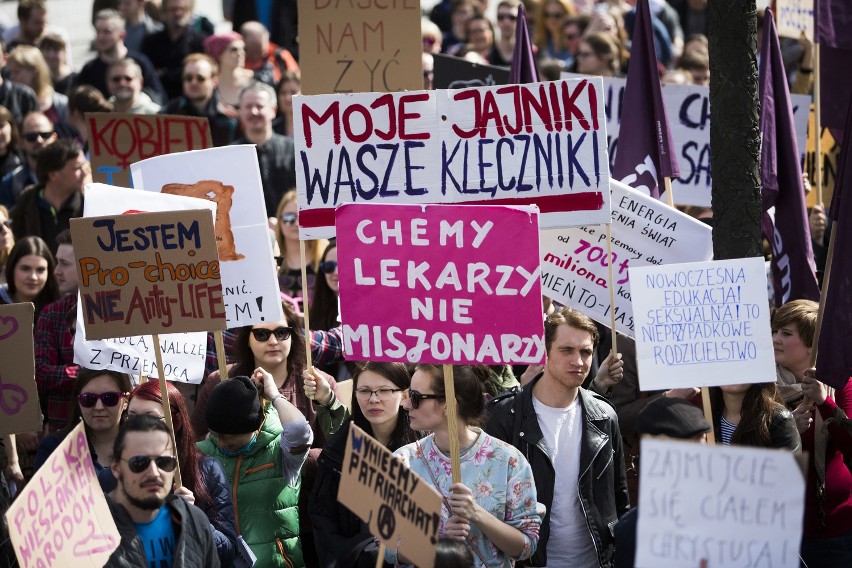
point(548, 453)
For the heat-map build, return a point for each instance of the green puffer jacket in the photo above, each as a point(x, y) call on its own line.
point(265, 508)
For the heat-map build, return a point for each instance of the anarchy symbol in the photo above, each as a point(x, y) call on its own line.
point(386, 522)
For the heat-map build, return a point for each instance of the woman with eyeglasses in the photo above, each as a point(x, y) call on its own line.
point(494, 508)
point(7, 241)
point(290, 262)
point(204, 482)
point(101, 397)
point(379, 389)
point(547, 35)
point(29, 274)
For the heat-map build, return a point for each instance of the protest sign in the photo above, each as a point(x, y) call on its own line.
point(645, 231)
point(702, 324)
point(117, 140)
point(688, 111)
point(458, 73)
point(795, 17)
point(147, 273)
point(402, 510)
point(229, 177)
point(730, 506)
point(830, 151)
point(440, 284)
point(355, 47)
point(61, 517)
point(538, 144)
point(19, 406)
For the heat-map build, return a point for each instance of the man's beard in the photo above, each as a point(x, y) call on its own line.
point(147, 504)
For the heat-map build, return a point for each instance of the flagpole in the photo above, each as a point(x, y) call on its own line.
point(305, 310)
point(817, 128)
point(611, 288)
point(669, 197)
point(822, 298)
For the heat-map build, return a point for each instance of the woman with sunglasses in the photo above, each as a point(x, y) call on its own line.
point(30, 275)
point(494, 508)
point(204, 481)
point(547, 35)
point(101, 398)
point(379, 389)
point(290, 265)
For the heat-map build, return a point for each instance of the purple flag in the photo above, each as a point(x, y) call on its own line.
point(793, 270)
point(523, 68)
point(644, 152)
point(833, 33)
point(834, 358)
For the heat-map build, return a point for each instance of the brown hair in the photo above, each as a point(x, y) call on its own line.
point(467, 381)
point(572, 318)
point(802, 314)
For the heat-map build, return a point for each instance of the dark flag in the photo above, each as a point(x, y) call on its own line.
point(834, 358)
point(643, 155)
point(833, 33)
point(793, 270)
point(523, 68)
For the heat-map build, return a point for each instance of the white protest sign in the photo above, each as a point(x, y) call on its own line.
point(702, 324)
point(730, 506)
point(540, 144)
point(645, 231)
point(230, 177)
point(795, 17)
point(688, 111)
point(183, 353)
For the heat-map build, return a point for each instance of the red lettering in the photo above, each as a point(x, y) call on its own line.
point(332, 112)
point(554, 105)
point(145, 138)
point(570, 108)
point(347, 124)
point(98, 140)
point(463, 95)
point(539, 105)
point(386, 100)
point(404, 116)
point(515, 91)
point(491, 112)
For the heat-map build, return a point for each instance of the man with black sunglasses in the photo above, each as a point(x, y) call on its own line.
point(36, 133)
point(157, 528)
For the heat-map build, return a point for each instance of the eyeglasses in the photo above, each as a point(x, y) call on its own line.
point(381, 394)
point(120, 78)
point(328, 267)
point(199, 78)
point(33, 136)
point(138, 464)
point(415, 398)
point(507, 17)
point(281, 333)
point(90, 399)
point(290, 218)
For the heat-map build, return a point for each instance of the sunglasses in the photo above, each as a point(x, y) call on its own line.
point(415, 398)
point(507, 17)
point(281, 333)
point(199, 78)
point(290, 218)
point(328, 267)
point(33, 136)
point(90, 399)
point(138, 464)
point(6, 224)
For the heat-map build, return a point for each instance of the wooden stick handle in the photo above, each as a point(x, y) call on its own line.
point(452, 421)
point(219, 340)
point(611, 287)
point(167, 409)
point(305, 309)
point(708, 414)
point(667, 181)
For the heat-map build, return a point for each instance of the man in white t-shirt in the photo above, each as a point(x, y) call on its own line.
point(571, 438)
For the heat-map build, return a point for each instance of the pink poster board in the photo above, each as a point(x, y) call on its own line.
point(440, 283)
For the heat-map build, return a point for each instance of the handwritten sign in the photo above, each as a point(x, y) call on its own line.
point(61, 518)
point(117, 140)
point(230, 178)
point(438, 284)
point(645, 231)
point(149, 273)
point(830, 152)
point(688, 111)
point(702, 324)
point(538, 144)
point(360, 46)
point(732, 506)
point(19, 407)
point(795, 17)
point(402, 510)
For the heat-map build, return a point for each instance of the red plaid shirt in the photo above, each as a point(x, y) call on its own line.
point(54, 357)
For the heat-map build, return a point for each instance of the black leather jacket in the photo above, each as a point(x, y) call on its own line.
point(782, 429)
point(602, 485)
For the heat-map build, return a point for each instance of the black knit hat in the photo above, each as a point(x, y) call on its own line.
point(672, 417)
point(234, 407)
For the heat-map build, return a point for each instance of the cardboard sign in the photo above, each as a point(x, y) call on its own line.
point(440, 284)
point(458, 73)
point(61, 517)
point(401, 508)
point(688, 111)
point(538, 144)
point(355, 47)
point(148, 273)
point(229, 177)
point(795, 17)
point(731, 506)
point(117, 140)
point(830, 151)
point(702, 324)
point(19, 406)
point(645, 231)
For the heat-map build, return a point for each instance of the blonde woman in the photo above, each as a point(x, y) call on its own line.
point(290, 263)
point(26, 65)
point(547, 35)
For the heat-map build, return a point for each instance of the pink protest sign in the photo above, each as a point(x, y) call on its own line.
point(440, 283)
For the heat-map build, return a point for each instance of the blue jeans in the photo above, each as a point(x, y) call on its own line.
point(834, 552)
